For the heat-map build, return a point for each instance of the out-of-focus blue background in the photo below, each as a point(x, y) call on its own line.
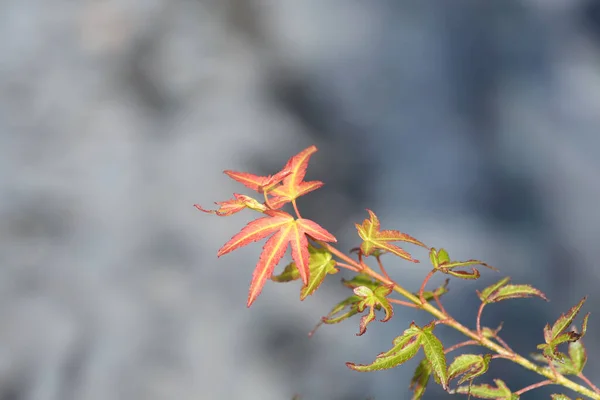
point(471, 125)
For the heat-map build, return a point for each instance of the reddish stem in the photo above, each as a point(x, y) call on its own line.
point(503, 343)
point(479, 318)
point(534, 386)
point(422, 289)
point(439, 303)
point(553, 368)
point(348, 266)
point(588, 382)
point(296, 209)
point(403, 303)
point(267, 200)
point(382, 268)
point(461, 344)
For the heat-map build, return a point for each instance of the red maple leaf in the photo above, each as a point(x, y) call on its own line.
point(294, 185)
point(286, 230)
point(261, 184)
point(292, 175)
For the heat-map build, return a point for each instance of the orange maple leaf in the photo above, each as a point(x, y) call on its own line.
point(294, 185)
point(374, 238)
point(286, 230)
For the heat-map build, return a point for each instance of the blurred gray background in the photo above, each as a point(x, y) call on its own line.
point(471, 125)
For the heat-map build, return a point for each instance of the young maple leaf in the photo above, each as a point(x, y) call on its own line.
point(286, 230)
point(261, 184)
point(234, 205)
point(294, 185)
point(374, 238)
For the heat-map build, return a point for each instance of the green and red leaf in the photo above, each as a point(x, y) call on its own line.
point(374, 299)
point(420, 379)
point(557, 334)
point(350, 302)
point(361, 280)
point(470, 366)
point(565, 320)
point(374, 238)
point(404, 348)
point(486, 391)
point(440, 259)
point(434, 352)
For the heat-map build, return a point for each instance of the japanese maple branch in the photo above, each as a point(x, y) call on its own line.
point(557, 378)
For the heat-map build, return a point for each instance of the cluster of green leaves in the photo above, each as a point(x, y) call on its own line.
point(375, 292)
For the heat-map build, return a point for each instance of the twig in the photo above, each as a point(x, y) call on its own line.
point(534, 386)
point(381, 267)
point(403, 303)
point(422, 289)
point(461, 344)
point(479, 318)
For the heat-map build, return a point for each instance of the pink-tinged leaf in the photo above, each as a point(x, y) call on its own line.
point(273, 251)
point(257, 230)
point(373, 238)
point(565, 320)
